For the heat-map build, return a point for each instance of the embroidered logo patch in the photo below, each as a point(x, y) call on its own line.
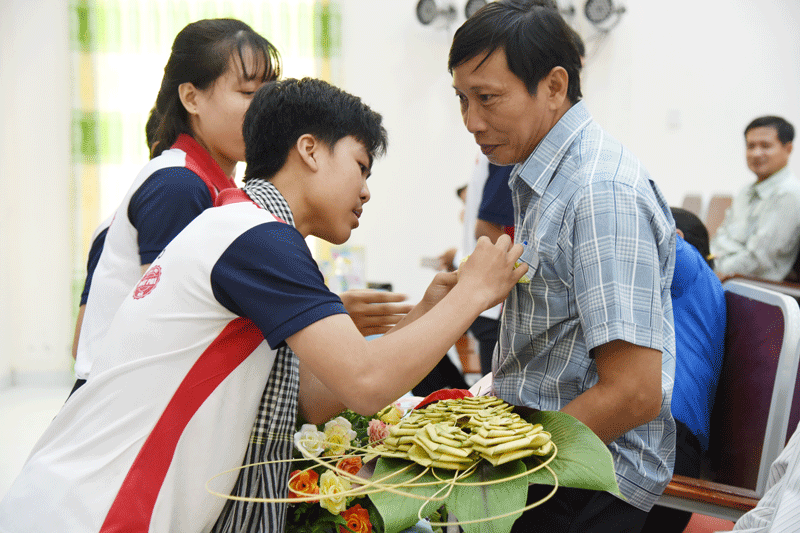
point(148, 282)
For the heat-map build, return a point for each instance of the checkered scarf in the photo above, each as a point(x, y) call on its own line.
point(273, 430)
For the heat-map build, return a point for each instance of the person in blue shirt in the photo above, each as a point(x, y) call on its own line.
point(698, 307)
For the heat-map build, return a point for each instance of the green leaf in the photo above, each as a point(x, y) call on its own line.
point(583, 460)
point(400, 512)
point(470, 502)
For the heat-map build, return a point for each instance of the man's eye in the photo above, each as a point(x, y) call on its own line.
point(486, 97)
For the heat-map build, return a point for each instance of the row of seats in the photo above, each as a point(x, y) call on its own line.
point(757, 405)
point(715, 213)
point(714, 216)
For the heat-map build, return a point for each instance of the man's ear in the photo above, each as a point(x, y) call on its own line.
point(557, 82)
point(187, 92)
point(307, 147)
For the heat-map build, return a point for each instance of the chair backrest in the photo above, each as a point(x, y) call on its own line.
point(791, 289)
point(716, 212)
point(752, 407)
point(693, 203)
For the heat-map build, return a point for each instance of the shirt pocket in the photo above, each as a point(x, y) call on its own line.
point(530, 255)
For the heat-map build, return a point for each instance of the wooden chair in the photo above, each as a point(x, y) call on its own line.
point(716, 212)
point(751, 412)
point(468, 354)
point(693, 203)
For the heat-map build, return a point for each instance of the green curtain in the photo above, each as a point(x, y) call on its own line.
point(118, 52)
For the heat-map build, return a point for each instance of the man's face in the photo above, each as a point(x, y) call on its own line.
point(765, 153)
point(507, 121)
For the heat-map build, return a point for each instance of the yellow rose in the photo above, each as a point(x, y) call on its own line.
point(337, 440)
point(331, 488)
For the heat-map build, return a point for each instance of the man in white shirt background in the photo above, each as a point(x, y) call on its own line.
point(760, 235)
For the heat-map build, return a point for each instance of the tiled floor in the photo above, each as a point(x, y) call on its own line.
point(25, 412)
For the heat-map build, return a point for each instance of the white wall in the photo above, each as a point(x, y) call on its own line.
point(399, 68)
point(676, 82)
point(35, 232)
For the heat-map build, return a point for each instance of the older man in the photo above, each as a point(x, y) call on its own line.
point(592, 334)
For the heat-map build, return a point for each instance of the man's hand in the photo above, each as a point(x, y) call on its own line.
point(374, 312)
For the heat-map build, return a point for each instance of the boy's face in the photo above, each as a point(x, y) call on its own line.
point(338, 192)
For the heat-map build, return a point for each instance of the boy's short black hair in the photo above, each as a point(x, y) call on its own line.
point(282, 111)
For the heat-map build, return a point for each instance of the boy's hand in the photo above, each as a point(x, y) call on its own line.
point(439, 287)
point(374, 312)
point(490, 269)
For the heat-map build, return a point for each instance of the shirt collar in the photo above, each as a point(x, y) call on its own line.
point(762, 189)
point(265, 195)
point(203, 160)
point(538, 169)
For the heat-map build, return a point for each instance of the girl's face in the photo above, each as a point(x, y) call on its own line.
point(219, 112)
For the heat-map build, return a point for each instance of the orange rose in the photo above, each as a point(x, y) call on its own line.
point(351, 465)
point(357, 520)
point(303, 483)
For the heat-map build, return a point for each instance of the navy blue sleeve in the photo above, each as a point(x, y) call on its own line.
point(268, 275)
point(165, 204)
point(496, 205)
point(91, 264)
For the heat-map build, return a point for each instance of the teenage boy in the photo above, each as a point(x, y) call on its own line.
point(233, 302)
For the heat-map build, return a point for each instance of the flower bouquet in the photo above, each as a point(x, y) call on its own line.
point(320, 490)
point(469, 459)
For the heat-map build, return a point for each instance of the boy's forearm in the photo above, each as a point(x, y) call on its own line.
point(316, 402)
point(368, 375)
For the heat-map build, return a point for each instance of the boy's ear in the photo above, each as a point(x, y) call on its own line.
point(307, 146)
point(187, 92)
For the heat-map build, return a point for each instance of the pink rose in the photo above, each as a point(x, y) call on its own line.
point(377, 430)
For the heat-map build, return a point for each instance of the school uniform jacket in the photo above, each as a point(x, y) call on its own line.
point(175, 389)
point(168, 193)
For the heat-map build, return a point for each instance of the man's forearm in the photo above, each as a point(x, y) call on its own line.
point(627, 394)
point(607, 417)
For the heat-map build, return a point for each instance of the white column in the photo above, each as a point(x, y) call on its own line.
point(35, 204)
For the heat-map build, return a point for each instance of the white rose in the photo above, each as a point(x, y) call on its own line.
point(309, 440)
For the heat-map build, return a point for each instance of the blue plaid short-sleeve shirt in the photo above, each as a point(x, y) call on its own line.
point(599, 240)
